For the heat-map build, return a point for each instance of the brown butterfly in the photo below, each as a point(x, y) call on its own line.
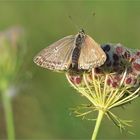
point(74, 52)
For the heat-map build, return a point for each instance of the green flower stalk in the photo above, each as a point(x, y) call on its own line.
point(11, 53)
point(112, 85)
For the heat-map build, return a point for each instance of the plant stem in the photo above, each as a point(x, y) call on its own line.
point(97, 125)
point(8, 115)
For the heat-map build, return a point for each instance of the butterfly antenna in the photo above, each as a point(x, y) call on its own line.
point(88, 17)
point(72, 21)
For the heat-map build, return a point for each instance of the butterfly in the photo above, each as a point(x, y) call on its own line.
point(72, 53)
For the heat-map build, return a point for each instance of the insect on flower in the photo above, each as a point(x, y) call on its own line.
point(72, 53)
point(114, 84)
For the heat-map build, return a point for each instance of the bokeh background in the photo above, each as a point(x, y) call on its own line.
point(41, 107)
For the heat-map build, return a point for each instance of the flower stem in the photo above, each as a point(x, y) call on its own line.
point(97, 125)
point(8, 115)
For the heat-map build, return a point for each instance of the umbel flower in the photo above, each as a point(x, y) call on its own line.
point(11, 54)
point(111, 85)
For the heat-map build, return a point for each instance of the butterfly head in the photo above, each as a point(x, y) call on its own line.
point(81, 31)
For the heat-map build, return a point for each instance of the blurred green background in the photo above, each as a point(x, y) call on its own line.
point(41, 108)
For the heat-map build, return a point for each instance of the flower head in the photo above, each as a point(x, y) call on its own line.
point(11, 51)
point(115, 83)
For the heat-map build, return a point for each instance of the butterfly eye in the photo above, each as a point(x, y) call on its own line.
point(82, 31)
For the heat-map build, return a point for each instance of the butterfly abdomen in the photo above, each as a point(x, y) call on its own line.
point(76, 54)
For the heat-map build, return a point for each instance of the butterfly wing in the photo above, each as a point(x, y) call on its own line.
point(91, 55)
point(57, 56)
